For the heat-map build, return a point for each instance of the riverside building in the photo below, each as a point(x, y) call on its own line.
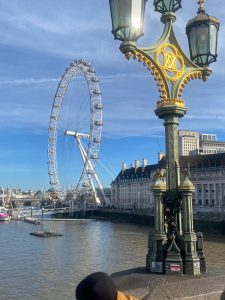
point(132, 187)
point(188, 141)
point(195, 143)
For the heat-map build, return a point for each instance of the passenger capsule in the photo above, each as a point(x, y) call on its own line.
point(97, 140)
point(98, 106)
point(97, 92)
point(98, 123)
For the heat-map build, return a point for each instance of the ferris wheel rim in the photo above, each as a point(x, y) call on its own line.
point(85, 68)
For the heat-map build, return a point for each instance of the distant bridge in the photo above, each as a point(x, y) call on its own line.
point(41, 212)
point(25, 201)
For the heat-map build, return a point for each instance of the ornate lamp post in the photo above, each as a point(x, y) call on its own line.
point(173, 246)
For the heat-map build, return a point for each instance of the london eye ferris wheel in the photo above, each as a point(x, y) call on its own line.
point(74, 135)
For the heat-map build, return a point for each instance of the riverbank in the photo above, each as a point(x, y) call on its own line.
point(142, 218)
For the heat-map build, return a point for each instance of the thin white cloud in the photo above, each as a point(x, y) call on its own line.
point(23, 81)
point(104, 78)
point(128, 111)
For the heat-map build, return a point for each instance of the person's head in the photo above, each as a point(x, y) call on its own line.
point(96, 286)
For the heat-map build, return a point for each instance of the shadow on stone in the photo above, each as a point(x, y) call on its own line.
point(140, 270)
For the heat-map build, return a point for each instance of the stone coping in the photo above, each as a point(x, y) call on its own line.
point(146, 286)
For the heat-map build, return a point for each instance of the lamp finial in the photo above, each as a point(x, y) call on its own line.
point(201, 8)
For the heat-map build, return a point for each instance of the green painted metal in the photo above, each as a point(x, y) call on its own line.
point(171, 117)
point(157, 241)
point(200, 252)
point(173, 261)
point(189, 238)
point(163, 6)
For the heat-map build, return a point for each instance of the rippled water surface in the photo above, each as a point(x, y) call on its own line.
point(50, 268)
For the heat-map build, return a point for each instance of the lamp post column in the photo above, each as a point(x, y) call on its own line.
point(171, 110)
point(190, 256)
point(171, 123)
point(157, 241)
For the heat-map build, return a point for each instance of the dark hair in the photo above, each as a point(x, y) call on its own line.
point(96, 286)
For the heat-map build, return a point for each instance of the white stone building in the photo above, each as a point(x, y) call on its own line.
point(194, 143)
point(187, 141)
point(211, 147)
point(132, 187)
point(207, 172)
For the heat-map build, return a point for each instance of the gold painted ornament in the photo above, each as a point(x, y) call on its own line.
point(170, 61)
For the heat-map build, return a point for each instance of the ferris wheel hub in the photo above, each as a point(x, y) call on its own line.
point(76, 134)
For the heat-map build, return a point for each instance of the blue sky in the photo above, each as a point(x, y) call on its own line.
point(39, 39)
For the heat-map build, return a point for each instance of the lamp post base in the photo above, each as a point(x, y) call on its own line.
point(191, 260)
point(173, 261)
point(200, 252)
point(155, 260)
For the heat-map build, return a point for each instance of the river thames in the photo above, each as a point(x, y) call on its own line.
point(50, 268)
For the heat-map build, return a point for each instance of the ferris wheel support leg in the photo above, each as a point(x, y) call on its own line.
point(101, 189)
point(106, 200)
point(86, 164)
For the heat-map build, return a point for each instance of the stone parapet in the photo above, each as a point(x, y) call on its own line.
point(145, 286)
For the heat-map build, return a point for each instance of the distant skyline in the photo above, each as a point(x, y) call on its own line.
point(39, 39)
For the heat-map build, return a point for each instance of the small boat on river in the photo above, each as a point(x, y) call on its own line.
point(45, 234)
point(4, 216)
point(32, 220)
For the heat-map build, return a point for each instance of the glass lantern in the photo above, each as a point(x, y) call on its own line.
point(127, 19)
point(163, 6)
point(202, 32)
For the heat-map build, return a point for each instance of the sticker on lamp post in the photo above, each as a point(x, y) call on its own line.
point(173, 267)
point(157, 267)
point(197, 265)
